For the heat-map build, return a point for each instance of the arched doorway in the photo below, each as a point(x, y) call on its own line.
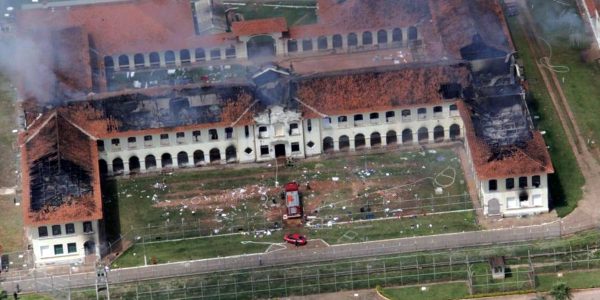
point(327, 144)
point(280, 150)
point(382, 37)
point(352, 39)
point(344, 143)
point(359, 141)
point(198, 157)
point(118, 166)
point(134, 164)
point(182, 159)
point(170, 58)
point(89, 247)
point(454, 131)
point(230, 154)
point(423, 135)
point(261, 46)
point(493, 207)
point(150, 162)
point(154, 59)
point(166, 160)
point(438, 134)
point(138, 60)
point(391, 138)
point(123, 61)
point(375, 139)
point(215, 155)
point(337, 41)
point(407, 136)
point(103, 166)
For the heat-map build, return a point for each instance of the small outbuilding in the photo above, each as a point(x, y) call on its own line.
point(497, 264)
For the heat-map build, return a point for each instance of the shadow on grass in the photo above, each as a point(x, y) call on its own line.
point(110, 201)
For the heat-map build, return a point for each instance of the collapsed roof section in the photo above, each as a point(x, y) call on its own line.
point(60, 172)
point(372, 90)
point(499, 129)
point(172, 109)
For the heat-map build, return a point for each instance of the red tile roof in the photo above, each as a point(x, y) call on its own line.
point(127, 27)
point(378, 91)
point(41, 144)
point(530, 160)
point(260, 26)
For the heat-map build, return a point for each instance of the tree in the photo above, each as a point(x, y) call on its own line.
point(561, 291)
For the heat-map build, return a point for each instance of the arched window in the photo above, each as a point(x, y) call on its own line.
point(397, 35)
point(292, 45)
point(454, 131)
point(166, 160)
point(352, 40)
point(407, 136)
point(118, 166)
point(344, 143)
point(367, 38)
point(337, 41)
point(307, 45)
point(412, 33)
point(382, 37)
point(198, 157)
point(150, 162)
point(182, 159)
point(375, 139)
point(154, 59)
point(200, 54)
point(230, 154)
point(134, 164)
point(230, 53)
point(438, 134)
point(423, 135)
point(359, 141)
point(170, 58)
point(123, 61)
point(138, 60)
point(391, 138)
point(322, 42)
point(108, 62)
point(327, 144)
point(215, 155)
point(184, 56)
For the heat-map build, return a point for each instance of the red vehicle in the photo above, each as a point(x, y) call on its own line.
point(295, 238)
point(292, 200)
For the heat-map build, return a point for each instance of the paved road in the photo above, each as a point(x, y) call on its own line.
point(36, 281)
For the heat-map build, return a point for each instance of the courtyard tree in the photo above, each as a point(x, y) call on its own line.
point(561, 291)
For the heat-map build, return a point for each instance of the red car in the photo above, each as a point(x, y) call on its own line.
point(295, 238)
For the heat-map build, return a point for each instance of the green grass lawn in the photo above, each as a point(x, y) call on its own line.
point(444, 291)
point(207, 247)
point(294, 16)
point(580, 84)
point(575, 280)
point(565, 184)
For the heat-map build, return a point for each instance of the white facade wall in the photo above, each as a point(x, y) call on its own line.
point(508, 199)
point(44, 247)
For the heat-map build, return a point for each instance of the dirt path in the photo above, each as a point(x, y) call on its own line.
point(586, 214)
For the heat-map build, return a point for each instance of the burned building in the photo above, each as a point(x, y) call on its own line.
point(450, 78)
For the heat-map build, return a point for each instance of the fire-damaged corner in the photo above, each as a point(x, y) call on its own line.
point(60, 172)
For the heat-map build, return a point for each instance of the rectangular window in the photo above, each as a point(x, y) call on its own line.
point(87, 227)
point(294, 129)
point(228, 133)
point(295, 147)
point(58, 249)
point(56, 230)
point(389, 116)
point(437, 109)
point(100, 144)
point(213, 134)
point(70, 228)
point(374, 116)
point(196, 135)
point(180, 135)
point(131, 140)
point(71, 247)
point(264, 150)
point(307, 45)
point(512, 202)
point(422, 113)
point(523, 182)
point(148, 138)
point(493, 185)
point(42, 231)
point(262, 132)
point(292, 46)
point(215, 54)
point(230, 53)
point(327, 122)
point(536, 181)
point(115, 142)
point(406, 115)
point(510, 183)
point(247, 131)
point(358, 118)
